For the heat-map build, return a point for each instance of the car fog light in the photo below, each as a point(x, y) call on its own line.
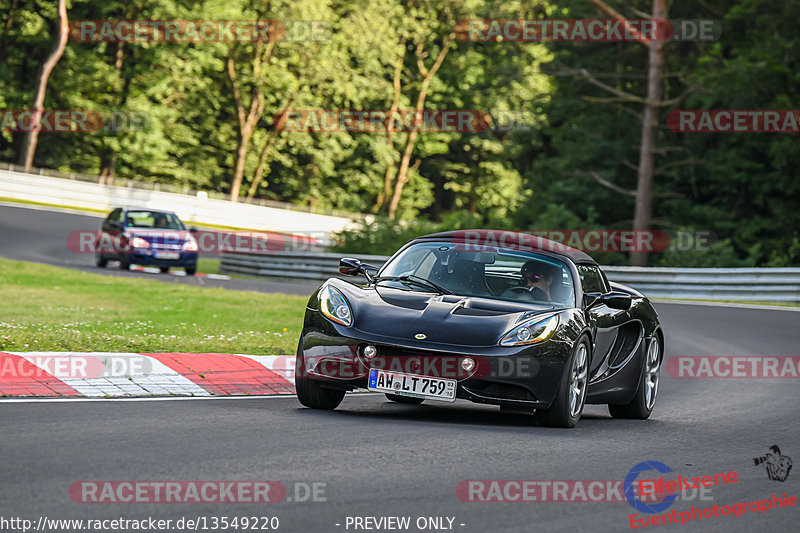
point(369, 351)
point(468, 364)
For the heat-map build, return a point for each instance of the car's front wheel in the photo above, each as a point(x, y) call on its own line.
point(311, 393)
point(645, 398)
point(571, 395)
point(404, 399)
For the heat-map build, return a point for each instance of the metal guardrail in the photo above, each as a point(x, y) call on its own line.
point(156, 186)
point(75, 193)
point(743, 284)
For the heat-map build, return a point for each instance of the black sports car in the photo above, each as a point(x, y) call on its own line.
point(493, 317)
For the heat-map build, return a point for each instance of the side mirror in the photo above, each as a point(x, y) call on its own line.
point(614, 300)
point(617, 300)
point(192, 229)
point(353, 267)
point(350, 266)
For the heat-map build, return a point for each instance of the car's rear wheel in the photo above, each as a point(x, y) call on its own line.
point(124, 262)
point(190, 271)
point(570, 398)
point(100, 260)
point(164, 270)
point(311, 393)
point(645, 398)
point(404, 399)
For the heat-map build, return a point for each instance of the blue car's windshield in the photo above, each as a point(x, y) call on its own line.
point(153, 220)
point(486, 272)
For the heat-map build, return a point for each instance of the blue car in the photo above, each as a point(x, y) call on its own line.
point(135, 236)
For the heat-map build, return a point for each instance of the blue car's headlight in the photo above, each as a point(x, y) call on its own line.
point(532, 331)
point(334, 306)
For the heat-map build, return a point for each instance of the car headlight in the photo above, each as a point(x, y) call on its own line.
point(531, 331)
point(190, 246)
point(334, 306)
point(138, 242)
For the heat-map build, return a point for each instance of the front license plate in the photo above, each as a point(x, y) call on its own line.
point(412, 385)
point(168, 255)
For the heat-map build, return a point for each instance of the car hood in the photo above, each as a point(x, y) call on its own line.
point(447, 319)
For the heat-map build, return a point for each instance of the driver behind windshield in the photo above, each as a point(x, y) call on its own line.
point(538, 277)
point(160, 221)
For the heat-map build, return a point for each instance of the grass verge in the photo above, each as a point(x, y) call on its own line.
point(742, 302)
point(208, 265)
point(54, 309)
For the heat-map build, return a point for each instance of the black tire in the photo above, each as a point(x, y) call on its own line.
point(100, 260)
point(124, 262)
point(190, 271)
point(404, 399)
point(164, 270)
point(638, 408)
point(311, 393)
point(559, 414)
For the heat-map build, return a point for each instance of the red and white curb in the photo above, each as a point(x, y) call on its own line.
point(107, 374)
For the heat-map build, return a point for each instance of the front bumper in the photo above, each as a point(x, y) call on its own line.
point(146, 258)
point(524, 377)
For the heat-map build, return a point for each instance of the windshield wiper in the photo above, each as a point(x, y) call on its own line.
point(411, 278)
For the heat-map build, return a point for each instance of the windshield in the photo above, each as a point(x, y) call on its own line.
point(153, 220)
point(486, 272)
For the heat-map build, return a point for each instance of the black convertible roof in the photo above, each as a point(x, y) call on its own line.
point(526, 241)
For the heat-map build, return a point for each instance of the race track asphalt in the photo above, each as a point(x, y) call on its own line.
point(40, 235)
point(379, 459)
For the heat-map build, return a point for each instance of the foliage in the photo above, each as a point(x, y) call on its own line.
point(537, 175)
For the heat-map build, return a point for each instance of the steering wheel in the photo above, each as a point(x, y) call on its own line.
point(519, 290)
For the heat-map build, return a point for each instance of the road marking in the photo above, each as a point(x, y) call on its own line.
point(72, 399)
point(726, 304)
point(179, 273)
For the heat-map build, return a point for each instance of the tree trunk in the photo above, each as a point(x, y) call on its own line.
point(262, 162)
point(247, 119)
point(402, 174)
point(241, 159)
point(31, 138)
point(644, 185)
point(390, 166)
point(262, 165)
